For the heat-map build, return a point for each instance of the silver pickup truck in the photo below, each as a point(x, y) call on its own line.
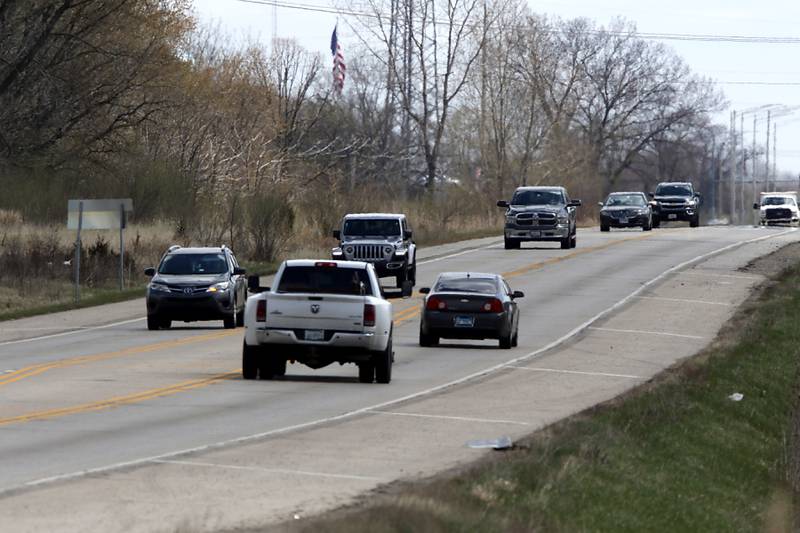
point(319, 312)
point(540, 214)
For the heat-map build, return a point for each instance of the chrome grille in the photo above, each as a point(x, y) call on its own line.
point(536, 219)
point(188, 289)
point(367, 252)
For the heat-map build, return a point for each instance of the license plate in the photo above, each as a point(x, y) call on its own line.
point(315, 335)
point(623, 220)
point(672, 217)
point(464, 321)
point(535, 233)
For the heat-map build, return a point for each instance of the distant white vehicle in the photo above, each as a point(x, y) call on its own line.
point(319, 312)
point(778, 208)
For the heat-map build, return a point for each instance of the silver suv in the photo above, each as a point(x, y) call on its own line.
point(196, 284)
point(383, 239)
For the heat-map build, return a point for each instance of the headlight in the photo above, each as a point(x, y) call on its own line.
point(563, 219)
point(691, 203)
point(642, 211)
point(219, 287)
point(400, 251)
point(158, 287)
point(336, 251)
point(510, 219)
point(387, 250)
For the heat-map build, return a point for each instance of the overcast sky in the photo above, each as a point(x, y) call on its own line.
point(744, 70)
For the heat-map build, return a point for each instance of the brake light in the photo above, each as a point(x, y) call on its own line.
point(261, 311)
point(435, 304)
point(325, 264)
point(369, 315)
point(493, 306)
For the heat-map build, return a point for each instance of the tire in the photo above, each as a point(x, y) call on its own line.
point(366, 372)
point(412, 274)
point(656, 222)
point(240, 318)
point(515, 339)
point(153, 322)
point(166, 323)
point(229, 322)
point(249, 361)
point(271, 367)
point(407, 288)
point(566, 243)
point(427, 340)
point(605, 227)
point(383, 363)
point(511, 244)
point(694, 222)
point(647, 226)
point(573, 243)
point(507, 341)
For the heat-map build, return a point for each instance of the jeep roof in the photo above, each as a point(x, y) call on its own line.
point(197, 250)
point(375, 215)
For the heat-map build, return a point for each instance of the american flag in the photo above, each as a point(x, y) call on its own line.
point(339, 67)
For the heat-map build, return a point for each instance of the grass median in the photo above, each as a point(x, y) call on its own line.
point(676, 454)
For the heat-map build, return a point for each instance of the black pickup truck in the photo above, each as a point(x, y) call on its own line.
point(676, 200)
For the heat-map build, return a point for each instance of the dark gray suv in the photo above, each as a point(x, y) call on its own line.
point(196, 284)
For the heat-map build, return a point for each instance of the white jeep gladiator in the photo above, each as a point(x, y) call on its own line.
point(317, 313)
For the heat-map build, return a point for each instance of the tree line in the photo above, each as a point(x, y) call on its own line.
point(446, 104)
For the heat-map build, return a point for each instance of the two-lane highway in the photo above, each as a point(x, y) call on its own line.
point(118, 396)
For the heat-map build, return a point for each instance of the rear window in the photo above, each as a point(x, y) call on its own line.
point(482, 286)
point(325, 280)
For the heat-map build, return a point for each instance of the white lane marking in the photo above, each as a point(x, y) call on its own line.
point(716, 275)
point(457, 418)
point(365, 410)
point(644, 332)
point(683, 300)
point(463, 252)
point(559, 371)
point(269, 470)
point(46, 328)
point(72, 332)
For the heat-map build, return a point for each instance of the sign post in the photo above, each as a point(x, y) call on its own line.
point(98, 214)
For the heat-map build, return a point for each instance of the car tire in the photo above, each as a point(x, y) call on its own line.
point(605, 227)
point(412, 274)
point(694, 222)
point(427, 340)
point(656, 222)
point(515, 339)
point(249, 361)
point(271, 367)
point(507, 341)
point(511, 244)
point(153, 322)
point(566, 243)
point(407, 288)
point(383, 363)
point(647, 226)
point(366, 372)
point(573, 243)
point(240, 318)
point(166, 323)
point(229, 322)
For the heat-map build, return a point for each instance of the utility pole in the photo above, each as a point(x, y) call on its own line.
point(744, 169)
point(766, 155)
point(775, 151)
point(732, 167)
point(755, 168)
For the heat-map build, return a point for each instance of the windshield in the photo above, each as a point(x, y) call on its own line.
point(482, 286)
point(674, 190)
point(636, 200)
point(324, 280)
point(538, 198)
point(778, 200)
point(198, 264)
point(378, 227)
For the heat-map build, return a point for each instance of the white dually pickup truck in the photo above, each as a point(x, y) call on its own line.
point(318, 313)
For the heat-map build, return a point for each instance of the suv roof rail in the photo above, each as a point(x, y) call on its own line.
point(173, 248)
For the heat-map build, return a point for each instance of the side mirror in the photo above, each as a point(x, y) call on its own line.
point(575, 203)
point(254, 284)
point(337, 234)
point(756, 206)
point(149, 272)
point(502, 203)
point(517, 294)
point(425, 290)
point(408, 234)
point(601, 204)
point(651, 194)
point(239, 271)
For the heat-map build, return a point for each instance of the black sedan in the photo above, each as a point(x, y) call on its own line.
point(626, 210)
point(468, 305)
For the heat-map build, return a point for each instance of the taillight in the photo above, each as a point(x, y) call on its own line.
point(369, 315)
point(261, 311)
point(435, 304)
point(493, 306)
point(325, 264)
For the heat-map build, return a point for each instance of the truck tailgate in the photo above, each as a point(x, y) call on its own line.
point(311, 311)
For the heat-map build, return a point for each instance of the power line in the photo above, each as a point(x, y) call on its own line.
point(653, 36)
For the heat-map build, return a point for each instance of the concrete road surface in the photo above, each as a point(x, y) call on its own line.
point(107, 426)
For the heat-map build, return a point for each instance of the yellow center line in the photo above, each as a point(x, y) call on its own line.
point(122, 400)
point(37, 369)
point(402, 316)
